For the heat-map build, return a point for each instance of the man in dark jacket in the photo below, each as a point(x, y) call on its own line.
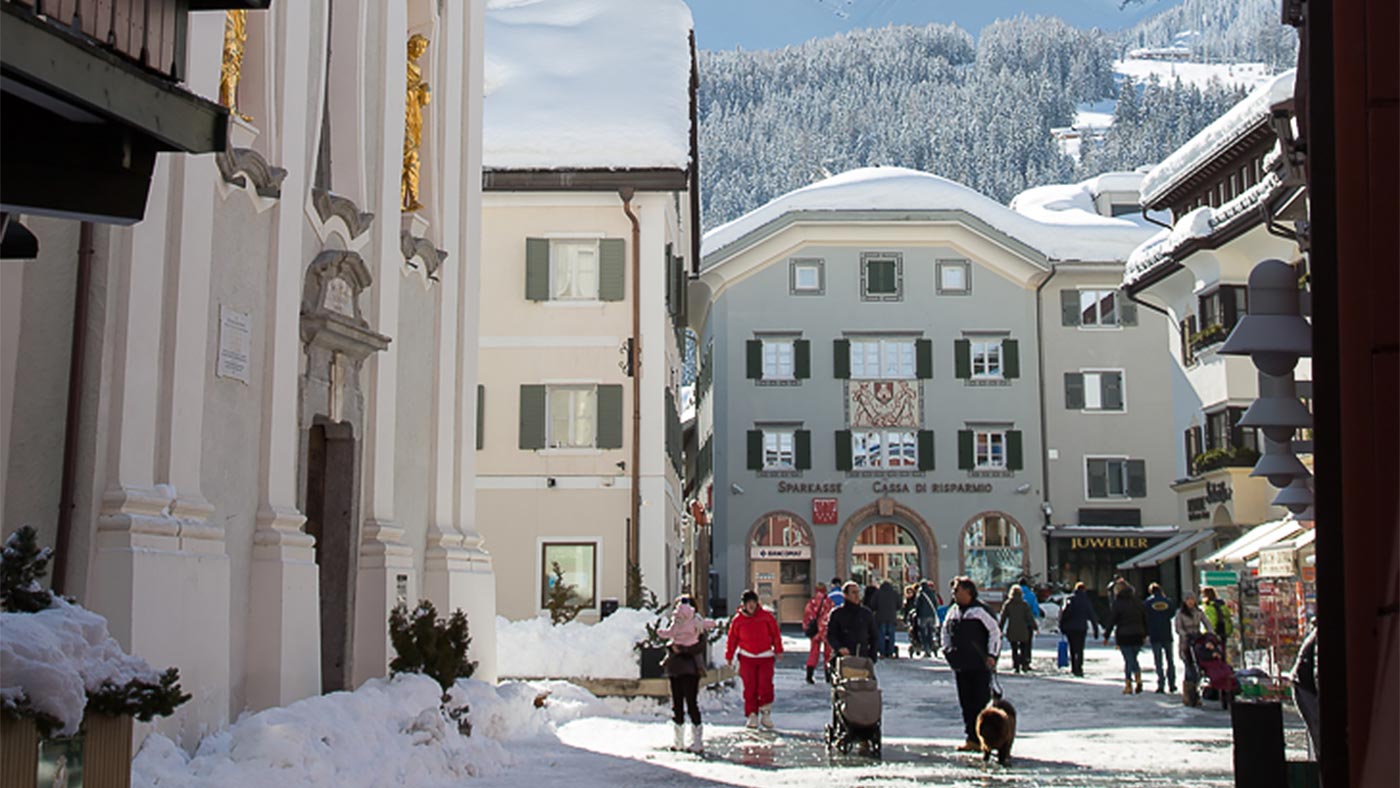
point(926, 603)
point(1160, 611)
point(1075, 621)
point(887, 604)
point(971, 643)
point(851, 628)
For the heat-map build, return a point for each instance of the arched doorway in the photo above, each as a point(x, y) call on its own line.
point(994, 551)
point(903, 539)
point(780, 564)
point(885, 551)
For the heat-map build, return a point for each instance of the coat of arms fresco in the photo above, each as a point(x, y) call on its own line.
point(884, 403)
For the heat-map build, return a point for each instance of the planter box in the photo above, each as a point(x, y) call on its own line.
point(651, 662)
point(100, 755)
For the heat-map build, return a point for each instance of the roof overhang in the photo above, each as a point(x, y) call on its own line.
point(585, 180)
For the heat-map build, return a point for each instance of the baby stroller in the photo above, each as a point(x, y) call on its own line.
point(855, 706)
point(1209, 654)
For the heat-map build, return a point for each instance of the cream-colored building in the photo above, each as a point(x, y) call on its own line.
point(589, 222)
point(274, 434)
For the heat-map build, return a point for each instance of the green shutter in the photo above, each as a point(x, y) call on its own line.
point(802, 449)
point(753, 358)
point(1098, 478)
point(610, 417)
point(1074, 390)
point(1112, 390)
point(1010, 358)
point(925, 450)
point(1013, 450)
point(670, 282)
point(480, 416)
point(1137, 478)
point(1127, 310)
point(532, 417)
point(962, 359)
point(1069, 307)
point(755, 450)
point(802, 359)
point(841, 358)
point(537, 269)
point(966, 461)
point(923, 358)
point(612, 269)
point(843, 450)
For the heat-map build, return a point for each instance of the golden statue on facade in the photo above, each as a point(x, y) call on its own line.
point(417, 96)
point(231, 69)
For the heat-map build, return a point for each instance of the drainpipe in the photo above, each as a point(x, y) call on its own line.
point(1044, 429)
point(1153, 221)
point(634, 524)
point(77, 351)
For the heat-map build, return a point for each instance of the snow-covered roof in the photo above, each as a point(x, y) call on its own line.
point(1215, 138)
point(1062, 203)
point(1066, 234)
point(587, 84)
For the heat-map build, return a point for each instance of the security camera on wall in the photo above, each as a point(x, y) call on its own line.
point(1023, 489)
point(736, 489)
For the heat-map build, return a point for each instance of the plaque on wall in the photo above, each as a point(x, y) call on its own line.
point(235, 344)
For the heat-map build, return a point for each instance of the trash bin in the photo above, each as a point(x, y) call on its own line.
point(1258, 735)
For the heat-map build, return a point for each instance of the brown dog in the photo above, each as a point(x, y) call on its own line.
point(996, 729)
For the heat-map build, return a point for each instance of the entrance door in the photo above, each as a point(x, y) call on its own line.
point(885, 551)
point(330, 493)
point(780, 555)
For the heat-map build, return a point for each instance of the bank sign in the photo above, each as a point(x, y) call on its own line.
point(781, 553)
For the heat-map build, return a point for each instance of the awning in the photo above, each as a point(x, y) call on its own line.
point(1254, 540)
point(1168, 550)
point(1150, 531)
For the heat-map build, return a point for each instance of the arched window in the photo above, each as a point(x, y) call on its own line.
point(780, 530)
point(885, 551)
point(994, 552)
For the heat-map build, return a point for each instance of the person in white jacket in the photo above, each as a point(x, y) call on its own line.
point(971, 643)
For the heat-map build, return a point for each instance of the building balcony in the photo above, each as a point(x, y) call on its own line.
point(1226, 457)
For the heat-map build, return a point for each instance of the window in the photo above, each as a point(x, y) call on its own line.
point(881, 277)
point(1100, 390)
point(989, 450)
point(1098, 307)
point(578, 562)
point(573, 416)
point(954, 277)
point(881, 449)
point(1115, 477)
point(1223, 431)
point(1222, 308)
point(807, 277)
point(779, 448)
point(1123, 209)
point(994, 553)
point(882, 359)
point(777, 359)
point(778, 451)
point(986, 359)
point(573, 271)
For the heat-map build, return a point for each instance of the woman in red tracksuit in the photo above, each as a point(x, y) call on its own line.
point(753, 634)
point(818, 609)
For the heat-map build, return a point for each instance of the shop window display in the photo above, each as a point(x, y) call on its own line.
point(993, 552)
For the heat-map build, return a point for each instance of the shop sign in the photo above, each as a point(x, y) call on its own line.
point(781, 553)
point(1220, 579)
point(809, 487)
point(1198, 508)
point(824, 511)
point(1108, 543)
point(919, 488)
point(1277, 562)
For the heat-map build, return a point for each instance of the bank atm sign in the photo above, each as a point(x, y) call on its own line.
point(783, 553)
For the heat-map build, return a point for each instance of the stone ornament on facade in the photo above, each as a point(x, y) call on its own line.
point(231, 69)
point(429, 257)
point(330, 206)
point(884, 403)
point(247, 169)
point(417, 95)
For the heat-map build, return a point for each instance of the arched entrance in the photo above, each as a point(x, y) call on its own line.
point(995, 553)
point(885, 551)
point(887, 535)
point(780, 564)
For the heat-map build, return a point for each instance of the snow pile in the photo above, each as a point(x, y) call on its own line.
point(535, 648)
point(1058, 236)
point(579, 84)
point(52, 659)
point(1215, 138)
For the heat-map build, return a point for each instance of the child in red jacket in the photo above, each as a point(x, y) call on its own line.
point(753, 634)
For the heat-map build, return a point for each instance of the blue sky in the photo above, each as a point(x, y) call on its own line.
point(770, 24)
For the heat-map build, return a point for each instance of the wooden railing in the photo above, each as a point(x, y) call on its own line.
point(148, 32)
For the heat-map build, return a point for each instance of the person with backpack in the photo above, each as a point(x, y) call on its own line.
point(1075, 621)
point(1218, 614)
point(755, 639)
point(971, 644)
point(1129, 618)
point(1159, 632)
point(814, 619)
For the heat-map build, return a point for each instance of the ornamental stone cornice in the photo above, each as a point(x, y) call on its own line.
point(329, 205)
point(246, 168)
point(423, 250)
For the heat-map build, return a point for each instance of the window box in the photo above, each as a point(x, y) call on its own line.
point(1228, 457)
point(1210, 335)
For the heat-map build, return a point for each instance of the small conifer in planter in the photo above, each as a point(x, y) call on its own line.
point(435, 647)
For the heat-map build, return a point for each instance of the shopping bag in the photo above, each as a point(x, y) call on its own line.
point(1062, 657)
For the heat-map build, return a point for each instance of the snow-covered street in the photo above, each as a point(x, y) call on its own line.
point(1071, 732)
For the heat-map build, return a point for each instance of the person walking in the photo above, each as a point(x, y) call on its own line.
point(1031, 599)
point(814, 620)
point(887, 603)
point(971, 643)
point(1128, 618)
point(1159, 632)
point(685, 666)
point(1218, 614)
point(833, 592)
point(1019, 623)
point(1305, 695)
point(851, 628)
point(926, 603)
point(1189, 623)
point(1075, 621)
point(754, 637)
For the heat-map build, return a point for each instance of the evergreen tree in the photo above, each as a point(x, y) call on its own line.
point(430, 645)
point(22, 565)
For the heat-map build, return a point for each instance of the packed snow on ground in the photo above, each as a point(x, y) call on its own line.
point(53, 658)
point(1060, 236)
point(1245, 75)
point(576, 84)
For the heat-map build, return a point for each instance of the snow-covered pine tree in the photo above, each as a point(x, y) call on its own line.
point(23, 563)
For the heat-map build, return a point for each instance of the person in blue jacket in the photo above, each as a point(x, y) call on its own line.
point(1028, 594)
point(1075, 621)
point(1160, 612)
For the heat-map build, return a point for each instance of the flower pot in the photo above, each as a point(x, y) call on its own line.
point(651, 662)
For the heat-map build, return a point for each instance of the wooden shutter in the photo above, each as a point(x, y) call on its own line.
point(1010, 358)
point(612, 269)
point(962, 358)
point(532, 417)
point(923, 358)
point(841, 358)
point(966, 461)
point(802, 359)
point(1112, 393)
point(925, 450)
point(755, 453)
point(480, 416)
point(802, 449)
point(1229, 308)
point(1137, 478)
point(1069, 307)
point(753, 359)
point(1196, 445)
point(609, 417)
point(1074, 390)
point(1127, 310)
point(1188, 327)
point(1098, 478)
point(1013, 450)
point(843, 450)
point(537, 269)
point(670, 282)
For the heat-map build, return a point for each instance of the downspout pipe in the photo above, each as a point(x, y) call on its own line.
point(634, 522)
point(77, 352)
point(1143, 209)
point(1044, 428)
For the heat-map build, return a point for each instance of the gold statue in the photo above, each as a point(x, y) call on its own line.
point(417, 97)
point(235, 36)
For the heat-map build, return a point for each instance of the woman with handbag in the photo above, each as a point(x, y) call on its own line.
point(814, 617)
